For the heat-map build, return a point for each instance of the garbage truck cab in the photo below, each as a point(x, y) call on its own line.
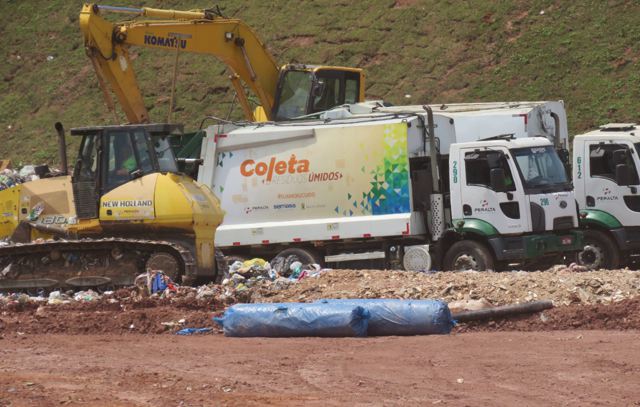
point(510, 199)
point(607, 185)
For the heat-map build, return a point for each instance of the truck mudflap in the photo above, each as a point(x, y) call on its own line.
point(537, 245)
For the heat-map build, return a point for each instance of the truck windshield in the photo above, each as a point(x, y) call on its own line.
point(541, 168)
point(294, 96)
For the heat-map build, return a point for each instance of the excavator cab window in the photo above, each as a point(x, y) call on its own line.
point(340, 87)
point(303, 92)
point(294, 94)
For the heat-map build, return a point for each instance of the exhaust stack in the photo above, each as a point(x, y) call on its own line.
point(62, 148)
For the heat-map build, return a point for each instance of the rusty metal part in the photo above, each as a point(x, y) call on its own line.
point(88, 262)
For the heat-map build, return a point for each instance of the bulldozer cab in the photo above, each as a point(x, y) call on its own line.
point(304, 90)
point(111, 156)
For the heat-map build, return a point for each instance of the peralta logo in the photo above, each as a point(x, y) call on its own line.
point(249, 209)
point(484, 207)
point(249, 168)
point(169, 42)
point(607, 195)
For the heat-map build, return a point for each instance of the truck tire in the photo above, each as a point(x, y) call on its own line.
point(468, 255)
point(599, 251)
point(285, 258)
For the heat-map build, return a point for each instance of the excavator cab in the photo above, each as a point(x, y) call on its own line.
point(111, 156)
point(304, 90)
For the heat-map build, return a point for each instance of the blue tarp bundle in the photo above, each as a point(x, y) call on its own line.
point(294, 319)
point(402, 317)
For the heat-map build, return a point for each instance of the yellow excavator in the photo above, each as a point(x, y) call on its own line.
point(291, 91)
point(123, 210)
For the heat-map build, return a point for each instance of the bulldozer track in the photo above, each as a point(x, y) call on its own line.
point(137, 249)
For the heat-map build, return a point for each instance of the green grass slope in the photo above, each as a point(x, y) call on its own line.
point(584, 52)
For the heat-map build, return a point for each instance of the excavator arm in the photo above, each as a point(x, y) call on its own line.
point(230, 40)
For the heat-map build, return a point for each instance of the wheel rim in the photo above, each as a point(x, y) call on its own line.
point(465, 262)
point(591, 256)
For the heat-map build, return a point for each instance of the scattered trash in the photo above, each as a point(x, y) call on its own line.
point(155, 281)
point(57, 297)
point(191, 331)
point(86, 296)
point(243, 275)
point(10, 178)
point(27, 171)
point(50, 58)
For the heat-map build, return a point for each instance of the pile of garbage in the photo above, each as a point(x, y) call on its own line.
point(245, 275)
point(10, 177)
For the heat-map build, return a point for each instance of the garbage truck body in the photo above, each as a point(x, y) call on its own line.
point(605, 175)
point(123, 210)
point(397, 187)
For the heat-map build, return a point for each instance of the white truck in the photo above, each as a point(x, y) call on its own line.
point(453, 187)
point(605, 176)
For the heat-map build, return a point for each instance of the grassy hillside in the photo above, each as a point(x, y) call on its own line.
point(585, 52)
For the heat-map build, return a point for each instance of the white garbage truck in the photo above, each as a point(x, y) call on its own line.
point(607, 187)
point(449, 187)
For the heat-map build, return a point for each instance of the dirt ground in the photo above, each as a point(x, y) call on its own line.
point(569, 368)
point(121, 349)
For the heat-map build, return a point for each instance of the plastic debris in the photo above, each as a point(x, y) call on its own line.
point(243, 275)
point(403, 317)
point(294, 319)
point(86, 296)
point(191, 331)
point(155, 281)
point(10, 178)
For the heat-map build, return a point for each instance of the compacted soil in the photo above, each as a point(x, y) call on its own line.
point(560, 368)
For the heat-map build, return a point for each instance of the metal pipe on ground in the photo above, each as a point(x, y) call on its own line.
point(502, 311)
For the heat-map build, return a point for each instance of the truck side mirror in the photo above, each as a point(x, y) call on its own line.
point(498, 180)
point(623, 174)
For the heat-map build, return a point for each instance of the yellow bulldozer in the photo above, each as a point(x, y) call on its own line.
point(122, 210)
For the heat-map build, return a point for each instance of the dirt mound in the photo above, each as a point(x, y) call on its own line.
point(596, 300)
point(561, 286)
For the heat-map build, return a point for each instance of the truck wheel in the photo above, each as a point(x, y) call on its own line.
point(599, 251)
point(285, 258)
point(468, 255)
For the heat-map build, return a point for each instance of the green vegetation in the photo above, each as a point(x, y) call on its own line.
point(584, 52)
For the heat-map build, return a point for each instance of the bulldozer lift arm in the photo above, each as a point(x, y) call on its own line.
point(230, 40)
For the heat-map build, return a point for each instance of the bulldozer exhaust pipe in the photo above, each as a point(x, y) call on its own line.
point(62, 148)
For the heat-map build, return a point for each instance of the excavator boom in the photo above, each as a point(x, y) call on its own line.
point(230, 40)
point(309, 89)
